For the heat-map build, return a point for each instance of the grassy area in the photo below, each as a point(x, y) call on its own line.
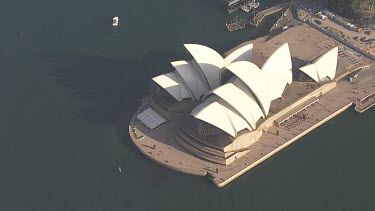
point(352, 9)
point(338, 33)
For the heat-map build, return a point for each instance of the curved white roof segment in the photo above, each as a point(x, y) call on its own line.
point(326, 64)
point(237, 121)
point(255, 80)
point(242, 101)
point(279, 64)
point(278, 69)
point(192, 79)
point(202, 74)
point(247, 97)
point(324, 67)
point(172, 84)
point(209, 61)
point(276, 87)
point(221, 117)
point(244, 53)
point(310, 70)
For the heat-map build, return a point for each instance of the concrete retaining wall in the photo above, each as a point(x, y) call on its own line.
point(222, 184)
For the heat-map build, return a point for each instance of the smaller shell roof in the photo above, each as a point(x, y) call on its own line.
point(241, 100)
point(323, 67)
point(326, 65)
point(209, 61)
point(255, 80)
point(192, 79)
point(244, 53)
point(221, 117)
point(278, 70)
point(310, 70)
point(172, 84)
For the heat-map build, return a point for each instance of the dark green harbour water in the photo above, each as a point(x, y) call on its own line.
point(70, 82)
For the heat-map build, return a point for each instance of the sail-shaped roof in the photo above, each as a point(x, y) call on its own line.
point(278, 70)
point(209, 61)
point(193, 81)
point(324, 67)
point(255, 80)
point(243, 53)
point(310, 70)
point(173, 85)
point(221, 117)
point(241, 100)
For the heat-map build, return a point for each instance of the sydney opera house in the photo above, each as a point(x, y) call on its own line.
point(224, 103)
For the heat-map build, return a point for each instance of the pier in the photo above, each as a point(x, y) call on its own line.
point(258, 18)
point(251, 17)
point(365, 103)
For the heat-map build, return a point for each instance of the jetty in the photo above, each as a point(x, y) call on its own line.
point(366, 103)
point(249, 15)
point(259, 17)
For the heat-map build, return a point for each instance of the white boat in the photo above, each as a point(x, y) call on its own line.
point(249, 5)
point(119, 169)
point(115, 21)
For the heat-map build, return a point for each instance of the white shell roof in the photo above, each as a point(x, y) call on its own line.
point(202, 74)
point(221, 117)
point(323, 67)
point(326, 65)
point(243, 53)
point(278, 69)
point(255, 80)
point(192, 79)
point(241, 100)
point(310, 70)
point(209, 61)
point(172, 84)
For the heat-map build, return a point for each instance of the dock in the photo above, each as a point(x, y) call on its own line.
point(253, 18)
point(258, 18)
point(365, 103)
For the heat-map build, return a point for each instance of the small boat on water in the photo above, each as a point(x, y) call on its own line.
point(249, 5)
point(115, 21)
point(119, 169)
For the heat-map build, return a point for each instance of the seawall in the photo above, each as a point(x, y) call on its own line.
point(230, 179)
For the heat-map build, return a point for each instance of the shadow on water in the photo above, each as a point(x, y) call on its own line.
point(113, 87)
